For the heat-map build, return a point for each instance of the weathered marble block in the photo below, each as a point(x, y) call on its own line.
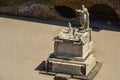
point(76, 47)
point(70, 66)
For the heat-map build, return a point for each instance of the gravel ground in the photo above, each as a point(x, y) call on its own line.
point(25, 44)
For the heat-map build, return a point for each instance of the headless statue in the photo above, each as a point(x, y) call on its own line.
point(71, 30)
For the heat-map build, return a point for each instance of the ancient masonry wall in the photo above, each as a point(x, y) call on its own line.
point(45, 9)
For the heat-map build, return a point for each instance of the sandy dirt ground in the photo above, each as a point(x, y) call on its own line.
point(25, 44)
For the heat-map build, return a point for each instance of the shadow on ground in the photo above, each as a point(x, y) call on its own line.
point(96, 25)
point(41, 67)
point(112, 25)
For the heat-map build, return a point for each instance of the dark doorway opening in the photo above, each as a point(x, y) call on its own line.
point(65, 12)
point(100, 11)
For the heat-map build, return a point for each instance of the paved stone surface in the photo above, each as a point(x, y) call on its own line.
point(24, 45)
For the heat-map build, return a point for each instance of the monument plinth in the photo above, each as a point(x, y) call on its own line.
point(76, 45)
point(72, 53)
point(72, 56)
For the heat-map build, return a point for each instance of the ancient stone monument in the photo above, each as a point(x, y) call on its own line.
point(72, 57)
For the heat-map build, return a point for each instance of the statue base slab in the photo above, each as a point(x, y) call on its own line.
point(61, 76)
point(71, 67)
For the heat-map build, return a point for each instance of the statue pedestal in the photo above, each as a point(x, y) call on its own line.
point(78, 47)
point(71, 67)
point(72, 55)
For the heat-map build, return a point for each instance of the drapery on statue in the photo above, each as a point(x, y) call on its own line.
point(84, 17)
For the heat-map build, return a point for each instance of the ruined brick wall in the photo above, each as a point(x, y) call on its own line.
point(46, 9)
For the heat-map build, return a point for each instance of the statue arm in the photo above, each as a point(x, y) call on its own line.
point(78, 10)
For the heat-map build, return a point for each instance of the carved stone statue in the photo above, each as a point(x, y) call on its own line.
point(84, 17)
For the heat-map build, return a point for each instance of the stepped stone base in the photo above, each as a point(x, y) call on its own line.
point(59, 76)
point(72, 57)
point(70, 66)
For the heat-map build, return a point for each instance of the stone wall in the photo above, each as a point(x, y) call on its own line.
point(31, 8)
point(46, 9)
